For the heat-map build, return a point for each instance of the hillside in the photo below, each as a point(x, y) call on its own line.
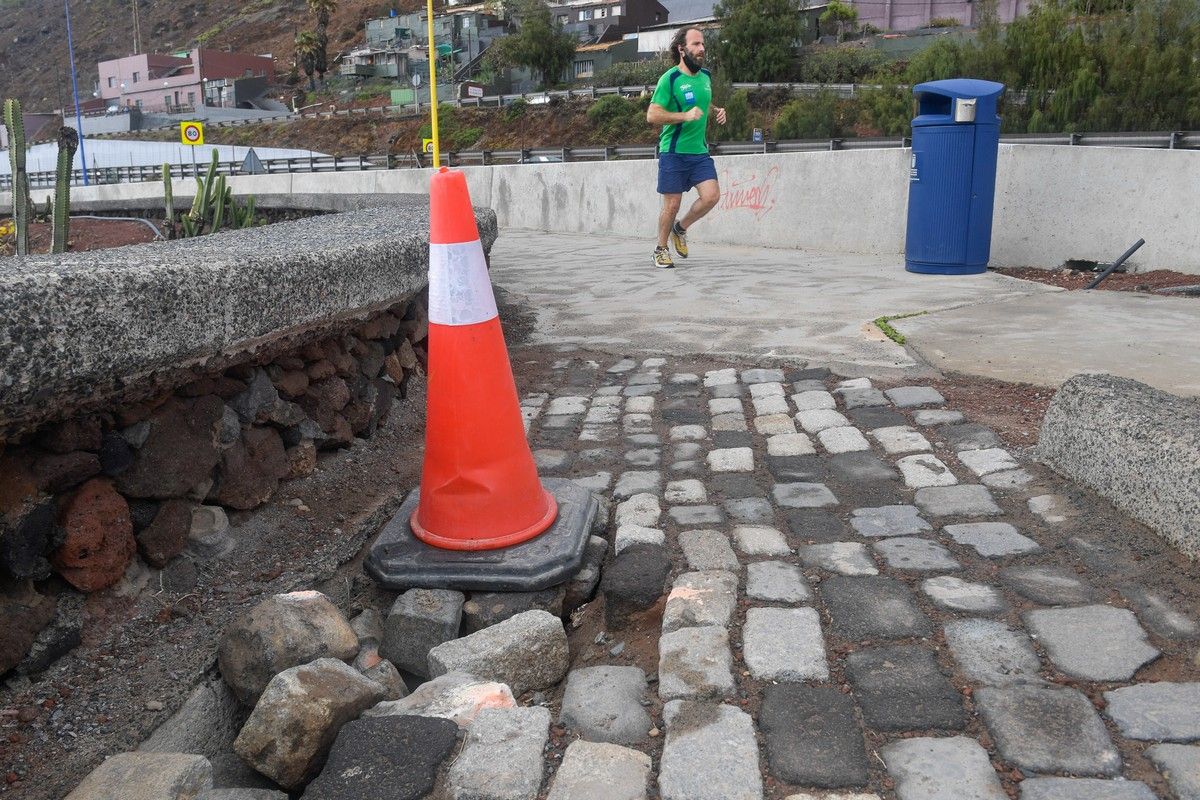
point(34, 64)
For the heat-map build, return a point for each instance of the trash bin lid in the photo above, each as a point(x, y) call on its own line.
point(985, 93)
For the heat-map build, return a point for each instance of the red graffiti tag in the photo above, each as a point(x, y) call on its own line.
point(752, 194)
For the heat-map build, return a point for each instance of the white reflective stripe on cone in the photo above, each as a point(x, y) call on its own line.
point(460, 290)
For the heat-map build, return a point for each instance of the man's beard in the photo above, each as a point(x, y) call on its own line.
point(692, 64)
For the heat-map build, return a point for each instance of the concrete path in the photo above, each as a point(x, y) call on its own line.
point(817, 307)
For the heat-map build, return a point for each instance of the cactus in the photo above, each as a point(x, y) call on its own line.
point(168, 200)
point(68, 143)
point(213, 205)
point(248, 216)
point(20, 181)
point(219, 205)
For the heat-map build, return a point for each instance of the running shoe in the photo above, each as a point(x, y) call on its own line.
point(679, 239)
point(662, 258)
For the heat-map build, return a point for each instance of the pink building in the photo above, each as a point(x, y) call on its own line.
point(155, 82)
point(907, 15)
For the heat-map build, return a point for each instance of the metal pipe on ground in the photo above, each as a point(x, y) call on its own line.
point(1113, 266)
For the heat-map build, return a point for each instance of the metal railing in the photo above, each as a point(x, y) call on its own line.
point(1177, 140)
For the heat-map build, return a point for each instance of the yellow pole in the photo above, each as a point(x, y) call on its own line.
point(437, 148)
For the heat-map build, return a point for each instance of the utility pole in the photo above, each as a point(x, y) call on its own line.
point(75, 93)
point(137, 30)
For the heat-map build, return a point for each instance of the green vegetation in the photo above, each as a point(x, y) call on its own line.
point(213, 207)
point(453, 131)
point(896, 336)
point(68, 143)
point(618, 118)
point(20, 179)
point(757, 42)
point(540, 45)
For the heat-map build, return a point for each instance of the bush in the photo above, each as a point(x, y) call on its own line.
point(613, 115)
point(515, 110)
point(737, 125)
point(943, 22)
point(813, 117)
point(841, 65)
point(888, 109)
point(631, 73)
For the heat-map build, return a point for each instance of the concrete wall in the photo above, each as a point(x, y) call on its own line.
point(1052, 203)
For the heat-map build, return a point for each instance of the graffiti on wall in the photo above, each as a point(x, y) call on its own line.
point(754, 192)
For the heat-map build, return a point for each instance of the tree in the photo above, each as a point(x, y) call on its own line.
point(759, 39)
point(843, 14)
point(307, 46)
point(539, 44)
point(322, 10)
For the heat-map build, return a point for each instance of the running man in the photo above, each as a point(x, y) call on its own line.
point(681, 104)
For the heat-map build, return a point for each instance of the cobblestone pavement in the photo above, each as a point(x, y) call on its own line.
point(868, 597)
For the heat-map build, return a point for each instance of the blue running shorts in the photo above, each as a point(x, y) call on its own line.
point(678, 172)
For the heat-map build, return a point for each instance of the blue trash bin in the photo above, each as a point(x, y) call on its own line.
point(952, 177)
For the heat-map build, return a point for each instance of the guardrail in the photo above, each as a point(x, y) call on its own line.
point(1177, 140)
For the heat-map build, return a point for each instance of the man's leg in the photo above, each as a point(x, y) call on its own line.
point(666, 217)
point(710, 194)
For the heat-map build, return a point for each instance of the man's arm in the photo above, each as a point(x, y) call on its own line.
point(657, 115)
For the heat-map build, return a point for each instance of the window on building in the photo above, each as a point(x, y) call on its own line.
point(601, 13)
point(583, 69)
point(249, 73)
point(191, 98)
point(138, 103)
point(616, 11)
point(136, 77)
point(562, 18)
point(111, 81)
point(585, 14)
point(166, 101)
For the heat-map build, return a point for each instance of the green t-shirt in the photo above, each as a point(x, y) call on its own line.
point(678, 91)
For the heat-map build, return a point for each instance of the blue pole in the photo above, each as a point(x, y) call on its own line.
point(75, 92)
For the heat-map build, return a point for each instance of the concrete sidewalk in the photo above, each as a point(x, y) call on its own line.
point(804, 306)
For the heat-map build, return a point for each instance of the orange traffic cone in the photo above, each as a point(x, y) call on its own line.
point(479, 488)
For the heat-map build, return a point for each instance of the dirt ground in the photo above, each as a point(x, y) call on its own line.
point(1071, 279)
point(83, 235)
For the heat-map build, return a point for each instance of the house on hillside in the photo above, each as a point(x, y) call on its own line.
point(654, 40)
point(592, 59)
point(595, 21)
point(462, 34)
point(184, 81)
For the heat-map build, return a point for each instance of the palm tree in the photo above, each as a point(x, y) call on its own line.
point(307, 46)
point(323, 9)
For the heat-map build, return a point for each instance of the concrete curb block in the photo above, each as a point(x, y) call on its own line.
point(1137, 446)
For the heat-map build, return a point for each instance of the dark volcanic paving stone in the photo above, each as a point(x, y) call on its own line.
point(1049, 586)
point(852, 467)
point(816, 526)
point(971, 436)
point(393, 757)
point(813, 737)
point(900, 688)
point(723, 439)
point(686, 416)
point(1048, 730)
point(872, 608)
point(797, 469)
point(634, 581)
point(808, 374)
point(871, 417)
point(733, 485)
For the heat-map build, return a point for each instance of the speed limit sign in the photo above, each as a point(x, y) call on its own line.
point(191, 133)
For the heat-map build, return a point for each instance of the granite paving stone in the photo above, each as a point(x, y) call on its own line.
point(697, 515)
point(641, 391)
point(801, 468)
point(598, 433)
point(701, 598)
point(733, 459)
point(937, 416)
point(569, 405)
point(1008, 479)
point(597, 482)
point(750, 509)
point(613, 400)
point(644, 457)
point(688, 433)
point(630, 535)
point(813, 525)
point(898, 520)
point(1049, 586)
point(844, 558)
point(862, 468)
point(685, 378)
point(689, 490)
point(1051, 730)
point(565, 422)
point(729, 422)
point(501, 758)
point(641, 509)
point(814, 400)
point(624, 365)
point(601, 771)
point(901, 688)
point(971, 436)
point(991, 653)
point(790, 444)
point(710, 754)
point(1084, 789)
point(803, 495)
point(1156, 712)
point(1098, 642)
point(992, 539)
point(776, 582)
point(1180, 765)
point(687, 451)
point(1157, 614)
point(954, 768)
point(812, 736)
point(859, 398)
point(727, 391)
point(725, 405)
point(633, 482)
point(695, 664)
point(915, 553)
point(819, 419)
point(604, 704)
point(872, 608)
point(602, 415)
point(548, 460)
point(900, 439)
point(706, 550)
point(843, 440)
point(774, 424)
point(925, 469)
point(637, 423)
point(639, 405)
point(853, 383)
point(764, 406)
point(771, 389)
point(954, 594)
point(784, 644)
point(761, 375)
point(969, 500)
point(420, 620)
point(985, 462)
point(914, 396)
point(756, 540)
